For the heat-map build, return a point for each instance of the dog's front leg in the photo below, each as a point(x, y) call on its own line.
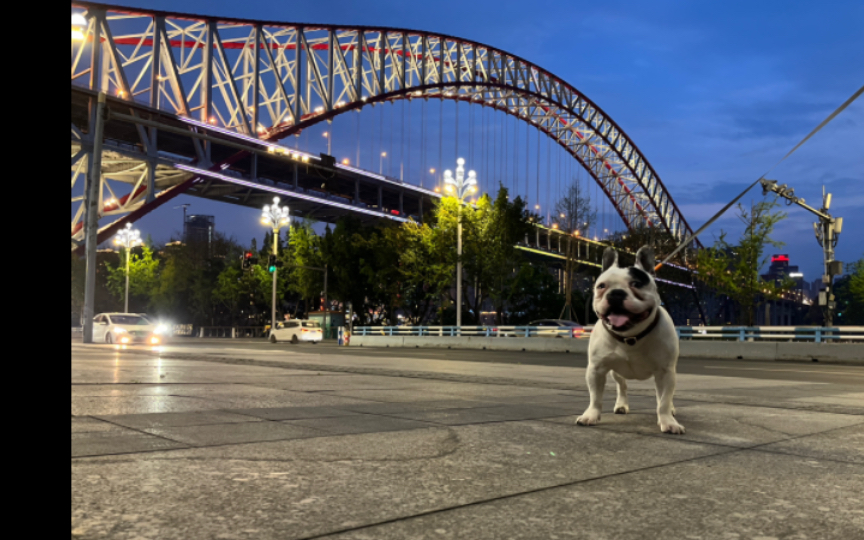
point(596, 379)
point(665, 383)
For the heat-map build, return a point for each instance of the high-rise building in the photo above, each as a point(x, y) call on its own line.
point(199, 229)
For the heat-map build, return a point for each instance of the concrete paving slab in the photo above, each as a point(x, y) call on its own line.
point(118, 442)
point(359, 423)
point(301, 488)
point(390, 395)
point(195, 418)
point(286, 399)
point(731, 425)
point(86, 424)
point(452, 417)
point(843, 444)
point(292, 413)
point(744, 495)
point(215, 434)
point(387, 408)
point(101, 406)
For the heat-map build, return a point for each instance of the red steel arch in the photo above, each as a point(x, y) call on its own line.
point(270, 80)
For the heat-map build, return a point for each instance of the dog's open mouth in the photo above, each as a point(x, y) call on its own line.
point(624, 320)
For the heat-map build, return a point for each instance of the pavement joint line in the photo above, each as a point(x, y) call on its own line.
point(512, 496)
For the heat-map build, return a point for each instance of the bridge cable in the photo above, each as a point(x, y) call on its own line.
point(797, 146)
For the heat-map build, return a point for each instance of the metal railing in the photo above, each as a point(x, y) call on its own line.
point(230, 332)
point(479, 331)
point(817, 334)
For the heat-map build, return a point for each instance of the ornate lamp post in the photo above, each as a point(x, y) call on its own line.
point(274, 217)
point(127, 238)
point(460, 188)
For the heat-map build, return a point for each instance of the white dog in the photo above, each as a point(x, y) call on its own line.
point(634, 338)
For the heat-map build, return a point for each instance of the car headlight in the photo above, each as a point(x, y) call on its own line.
point(161, 329)
point(118, 330)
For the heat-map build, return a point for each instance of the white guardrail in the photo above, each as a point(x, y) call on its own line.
point(816, 334)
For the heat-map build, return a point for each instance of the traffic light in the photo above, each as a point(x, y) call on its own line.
point(273, 263)
point(247, 260)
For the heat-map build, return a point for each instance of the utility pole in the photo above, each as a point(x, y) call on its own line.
point(827, 231)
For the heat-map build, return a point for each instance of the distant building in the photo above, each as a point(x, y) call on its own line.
point(199, 230)
point(780, 269)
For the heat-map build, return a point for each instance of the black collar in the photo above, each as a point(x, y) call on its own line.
point(633, 339)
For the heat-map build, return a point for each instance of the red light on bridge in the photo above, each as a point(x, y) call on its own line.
point(779, 258)
point(394, 212)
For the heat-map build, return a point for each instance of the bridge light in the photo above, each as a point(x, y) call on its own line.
point(562, 216)
point(345, 161)
point(554, 225)
point(79, 24)
point(432, 171)
point(536, 207)
point(383, 154)
point(326, 134)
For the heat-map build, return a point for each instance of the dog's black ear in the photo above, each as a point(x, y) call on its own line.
point(645, 259)
point(610, 258)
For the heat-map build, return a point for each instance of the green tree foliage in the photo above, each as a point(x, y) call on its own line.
point(303, 255)
point(849, 294)
point(733, 269)
point(143, 276)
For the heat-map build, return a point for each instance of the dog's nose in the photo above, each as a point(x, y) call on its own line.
point(617, 295)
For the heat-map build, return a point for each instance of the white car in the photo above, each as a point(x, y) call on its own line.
point(296, 331)
point(126, 328)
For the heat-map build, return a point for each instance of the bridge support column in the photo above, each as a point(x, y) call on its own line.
point(537, 235)
point(357, 191)
point(380, 199)
point(296, 174)
point(401, 200)
point(91, 218)
point(420, 202)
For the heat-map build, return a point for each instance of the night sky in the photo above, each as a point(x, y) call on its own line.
point(713, 93)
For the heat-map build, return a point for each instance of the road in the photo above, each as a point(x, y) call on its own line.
point(781, 371)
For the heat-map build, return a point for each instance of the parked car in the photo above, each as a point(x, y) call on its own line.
point(558, 328)
point(296, 331)
point(125, 328)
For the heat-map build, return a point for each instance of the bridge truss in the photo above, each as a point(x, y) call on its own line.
point(264, 81)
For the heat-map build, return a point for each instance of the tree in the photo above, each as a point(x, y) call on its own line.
point(734, 269)
point(303, 254)
point(573, 216)
point(849, 294)
point(143, 276)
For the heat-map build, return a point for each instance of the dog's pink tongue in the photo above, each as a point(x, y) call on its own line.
point(618, 320)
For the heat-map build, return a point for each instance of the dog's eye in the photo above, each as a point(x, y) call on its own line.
point(601, 286)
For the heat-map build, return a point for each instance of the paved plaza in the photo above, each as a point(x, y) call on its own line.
point(226, 442)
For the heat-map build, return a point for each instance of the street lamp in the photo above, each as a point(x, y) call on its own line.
point(460, 188)
point(381, 163)
point(327, 136)
point(274, 217)
point(127, 238)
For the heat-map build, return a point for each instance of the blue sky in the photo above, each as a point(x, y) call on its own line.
point(713, 93)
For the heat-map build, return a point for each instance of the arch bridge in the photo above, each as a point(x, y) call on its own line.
point(197, 105)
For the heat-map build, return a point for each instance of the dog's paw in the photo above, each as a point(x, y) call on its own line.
point(589, 418)
point(621, 409)
point(670, 425)
point(674, 411)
